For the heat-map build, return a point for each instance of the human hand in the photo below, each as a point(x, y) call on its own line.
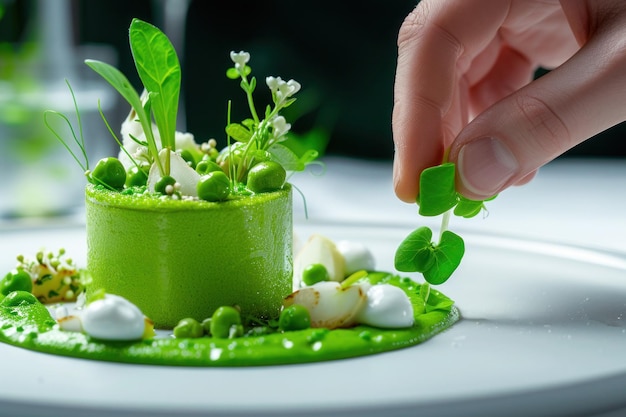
point(464, 86)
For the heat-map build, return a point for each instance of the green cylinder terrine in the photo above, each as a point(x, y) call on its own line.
point(176, 258)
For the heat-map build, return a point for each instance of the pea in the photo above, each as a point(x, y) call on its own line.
point(137, 176)
point(18, 298)
point(161, 184)
point(188, 157)
point(266, 176)
point(214, 186)
point(17, 280)
point(315, 273)
point(206, 166)
point(110, 172)
point(188, 328)
point(226, 323)
point(294, 317)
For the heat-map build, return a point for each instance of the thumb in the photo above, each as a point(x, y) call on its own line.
point(509, 141)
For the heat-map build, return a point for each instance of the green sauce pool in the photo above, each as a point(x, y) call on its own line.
point(26, 323)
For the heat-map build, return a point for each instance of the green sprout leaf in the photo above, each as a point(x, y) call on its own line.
point(437, 262)
point(238, 132)
point(437, 190)
point(469, 208)
point(119, 81)
point(448, 254)
point(415, 253)
point(288, 158)
point(158, 67)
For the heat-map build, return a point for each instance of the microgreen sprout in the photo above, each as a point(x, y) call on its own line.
point(79, 142)
point(258, 140)
point(437, 261)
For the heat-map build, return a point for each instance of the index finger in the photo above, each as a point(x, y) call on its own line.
point(436, 44)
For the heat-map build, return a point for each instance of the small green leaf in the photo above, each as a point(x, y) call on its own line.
point(158, 67)
point(288, 158)
point(415, 253)
point(468, 208)
point(119, 81)
point(448, 254)
point(238, 132)
point(232, 73)
point(437, 190)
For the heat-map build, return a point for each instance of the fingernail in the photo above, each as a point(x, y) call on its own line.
point(485, 165)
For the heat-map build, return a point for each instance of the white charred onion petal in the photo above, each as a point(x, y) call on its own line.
point(329, 305)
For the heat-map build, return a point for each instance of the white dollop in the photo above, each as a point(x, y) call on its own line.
point(387, 307)
point(356, 255)
point(186, 176)
point(113, 318)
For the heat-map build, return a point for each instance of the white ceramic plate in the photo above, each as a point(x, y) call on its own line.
point(544, 332)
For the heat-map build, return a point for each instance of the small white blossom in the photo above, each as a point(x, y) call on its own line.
point(281, 89)
point(280, 126)
point(240, 59)
point(272, 83)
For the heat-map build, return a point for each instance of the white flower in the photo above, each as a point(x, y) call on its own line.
point(280, 126)
point(240, 59)
point(281, 89)
point(272, 83)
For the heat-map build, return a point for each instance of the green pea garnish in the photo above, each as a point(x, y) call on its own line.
point(266, 176)
point(315, 273)
point(226, 323)
point(109, 172)
point(294, 317)
point(137, 176)
point(214, 186)
point(189, 158)
point(188, 328)
point(162, 184)
point(205, 166)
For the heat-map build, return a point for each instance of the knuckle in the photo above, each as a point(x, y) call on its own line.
point(543, 126)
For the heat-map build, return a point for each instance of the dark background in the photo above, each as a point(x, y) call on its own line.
point(342, 52)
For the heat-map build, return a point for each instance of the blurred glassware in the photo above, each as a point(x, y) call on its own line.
point(40, 176)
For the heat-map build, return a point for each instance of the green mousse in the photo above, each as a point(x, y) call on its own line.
point(26, 323)
point(185, 258)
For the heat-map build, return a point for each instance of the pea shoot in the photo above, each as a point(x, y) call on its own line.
point(437, 261)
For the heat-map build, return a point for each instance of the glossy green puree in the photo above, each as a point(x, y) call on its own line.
point(26, 323)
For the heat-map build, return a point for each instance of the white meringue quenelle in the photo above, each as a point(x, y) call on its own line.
point(113, 318)
point(387, 307)
point(109, 318)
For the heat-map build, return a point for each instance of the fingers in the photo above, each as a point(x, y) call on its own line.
point(510, 140)
point(436, 43)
